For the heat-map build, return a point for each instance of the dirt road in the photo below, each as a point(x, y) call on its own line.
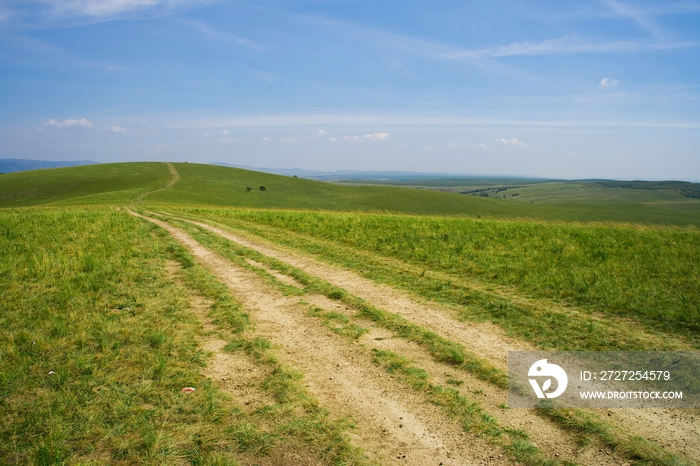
point(393, 420)
point(174, 178)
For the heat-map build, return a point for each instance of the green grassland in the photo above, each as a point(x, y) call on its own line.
point(224, 186)
point(637, 270)
point(97, 340)
point(640, 202)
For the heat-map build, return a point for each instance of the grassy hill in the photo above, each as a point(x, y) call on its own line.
point(116, 183)
point(209, 185)
point(225, 186)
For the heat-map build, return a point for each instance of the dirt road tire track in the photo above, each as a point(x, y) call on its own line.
point(395, 424)
point(481, 338)
point(240, 377)
point(676, 430)
point(174, 178)
point(485, 339)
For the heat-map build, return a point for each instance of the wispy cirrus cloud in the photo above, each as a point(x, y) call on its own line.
point(70, 123)
point(571, 45)
point(111, 8)
point(292, 120)
point(117, 129)
point(220, 35)
point(638, 16)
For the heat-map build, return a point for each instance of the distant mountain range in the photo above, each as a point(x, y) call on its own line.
point(20, 165)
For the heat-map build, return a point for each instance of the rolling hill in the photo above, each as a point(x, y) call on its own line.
point(210, 185)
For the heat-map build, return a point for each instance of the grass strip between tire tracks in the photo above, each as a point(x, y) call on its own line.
point(469, 413)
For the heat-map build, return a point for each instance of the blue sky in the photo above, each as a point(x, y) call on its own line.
point(589, 89)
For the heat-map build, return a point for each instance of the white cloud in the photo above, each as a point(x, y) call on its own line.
point(107, 8)
point(70, 123)
point(225, 132)
point(330, 136)
point(454, 145)
point(117, 129)
point(206, 135)
point(501, 142)
point(227, 140)
point(373, 136)
point(512, 142)
point(608, 82)
point(308, 137)
point(265, 139)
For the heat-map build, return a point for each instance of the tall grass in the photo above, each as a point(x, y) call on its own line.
point(648, 273)
point(95, 343)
